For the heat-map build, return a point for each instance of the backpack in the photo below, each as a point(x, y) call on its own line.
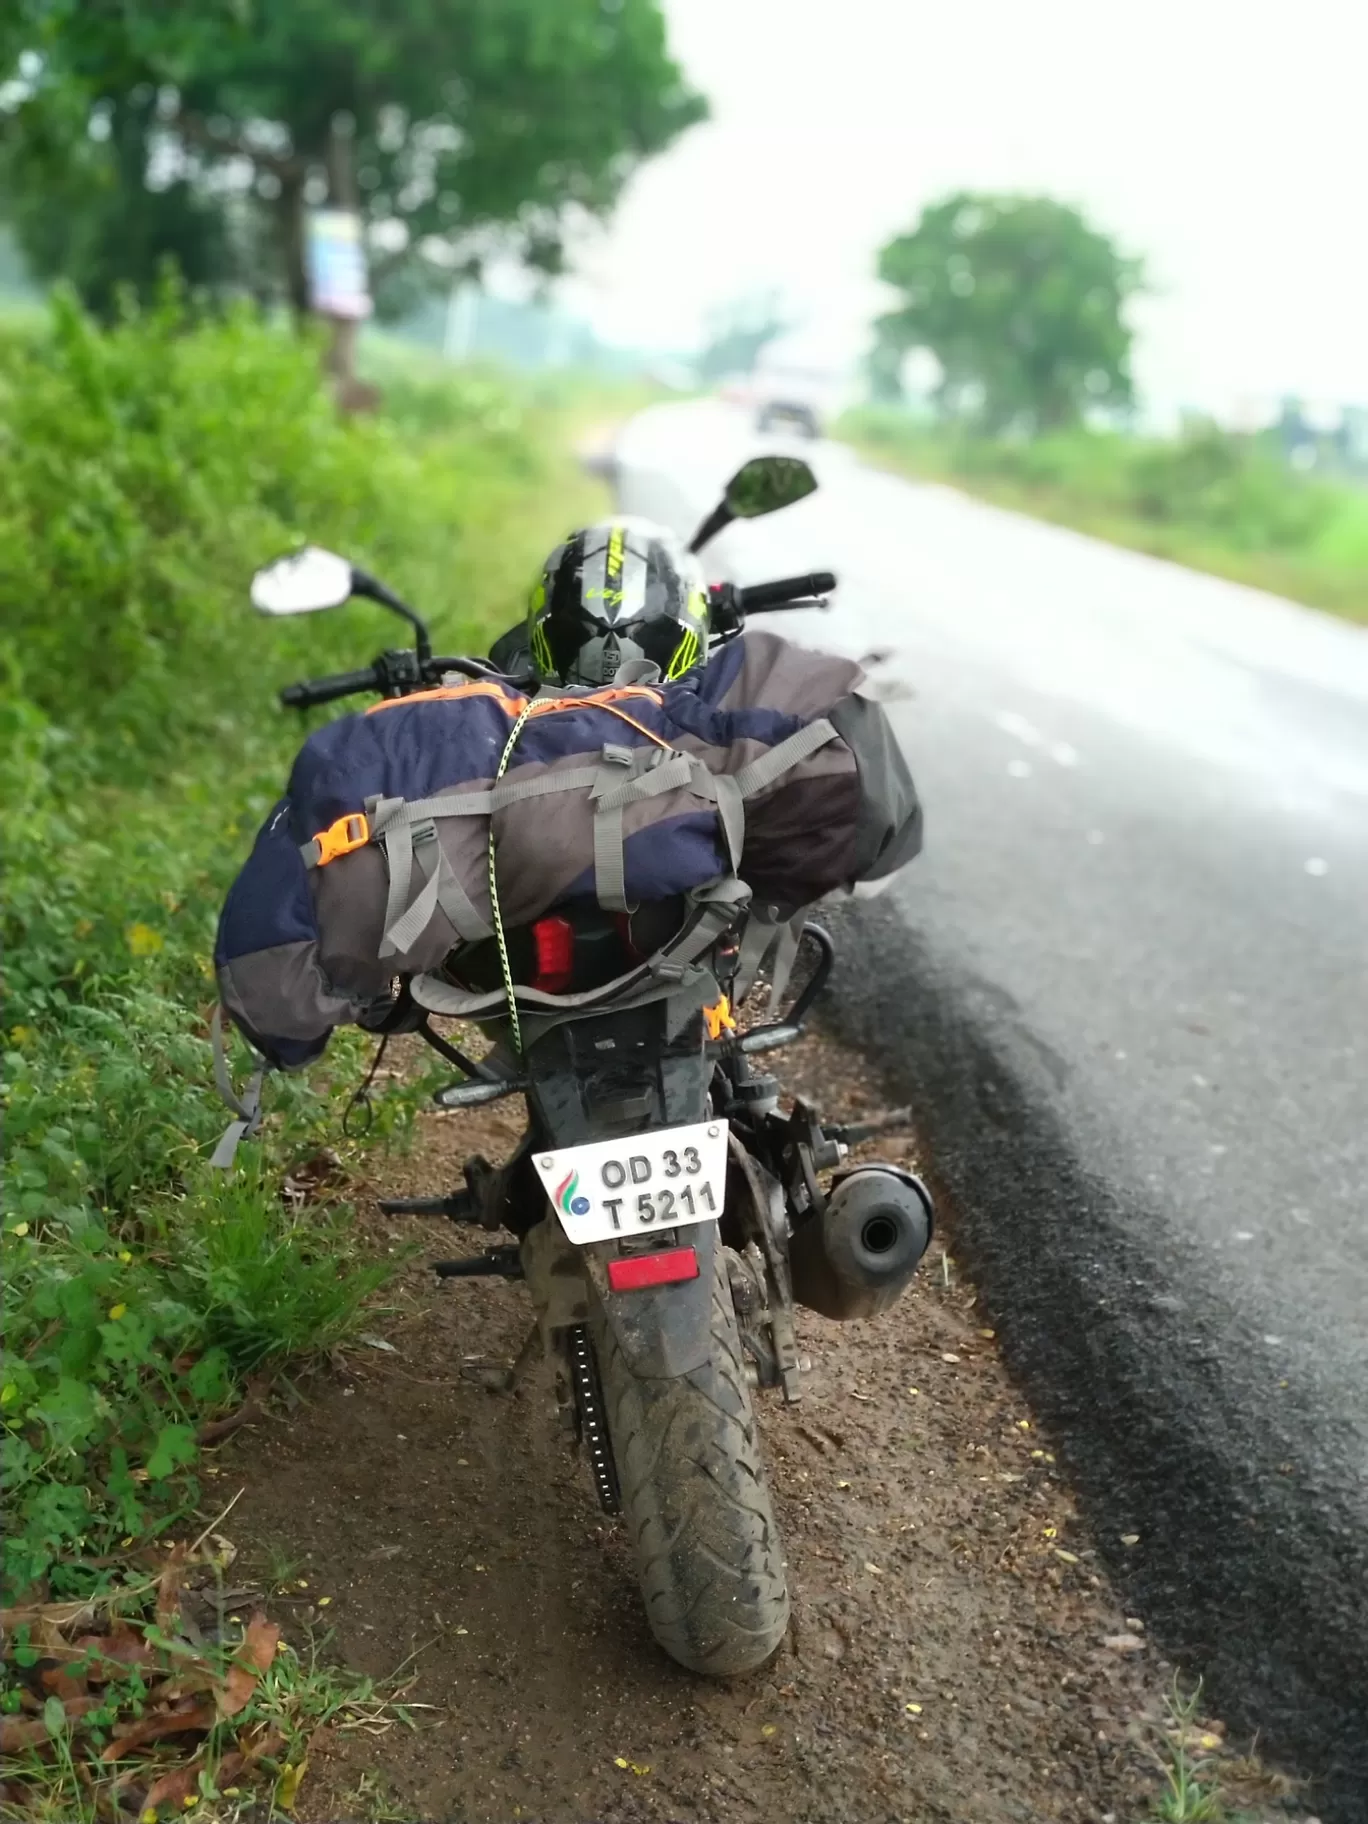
point(423, 822)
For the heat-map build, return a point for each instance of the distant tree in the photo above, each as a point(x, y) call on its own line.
point(1022, 303)
point(130, 130)
point(738, 334)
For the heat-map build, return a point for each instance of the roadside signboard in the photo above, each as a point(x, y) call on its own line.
point(336, 264)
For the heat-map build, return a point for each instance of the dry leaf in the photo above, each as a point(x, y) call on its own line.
point(165, 1722)
point(32, 1732)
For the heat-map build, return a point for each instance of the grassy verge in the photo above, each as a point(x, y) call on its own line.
point(1209, 500)
point(143, 473)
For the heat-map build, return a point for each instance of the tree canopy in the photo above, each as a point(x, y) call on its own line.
point(133, 128)
point(1022, 303)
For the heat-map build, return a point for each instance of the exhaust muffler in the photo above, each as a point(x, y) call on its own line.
point(857, 1258)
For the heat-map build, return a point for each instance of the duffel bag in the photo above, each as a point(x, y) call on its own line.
point(414, 827)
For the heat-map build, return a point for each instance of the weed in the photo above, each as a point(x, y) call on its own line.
point(1191, 1792)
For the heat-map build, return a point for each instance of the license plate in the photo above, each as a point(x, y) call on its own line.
point(660, 1180)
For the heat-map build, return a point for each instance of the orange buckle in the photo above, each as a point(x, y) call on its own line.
point(719, 1017)
point(340, 838)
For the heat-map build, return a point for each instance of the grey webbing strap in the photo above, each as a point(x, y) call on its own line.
point(756, 941)
point(731, 810)
point(441, 891)
point(610, 861)
point(545, 785)
point(769, 767)
point(781, 967)
point(654, 777)
point(248, 1109)
point(395, 832)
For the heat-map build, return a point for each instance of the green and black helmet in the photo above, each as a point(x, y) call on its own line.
point(623, 589)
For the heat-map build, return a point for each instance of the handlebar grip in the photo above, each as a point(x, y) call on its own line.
point(311, 691)
point(788, 589)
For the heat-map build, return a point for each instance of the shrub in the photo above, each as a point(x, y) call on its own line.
point(144, 471)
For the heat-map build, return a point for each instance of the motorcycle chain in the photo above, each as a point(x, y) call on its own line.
point(584, 1379)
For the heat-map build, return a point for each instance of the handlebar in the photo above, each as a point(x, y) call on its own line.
point(761, 598)
point(312, 691)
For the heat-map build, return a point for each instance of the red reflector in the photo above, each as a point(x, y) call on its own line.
point(554, 939)
point(637, 1271)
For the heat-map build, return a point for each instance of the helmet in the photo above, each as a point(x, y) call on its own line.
point(622, 589)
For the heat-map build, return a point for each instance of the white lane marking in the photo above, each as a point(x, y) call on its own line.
point(1063, 753)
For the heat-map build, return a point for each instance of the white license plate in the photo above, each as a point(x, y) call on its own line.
point(660, 1180)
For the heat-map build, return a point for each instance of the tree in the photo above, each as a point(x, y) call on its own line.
point(1022, 303)
point(467, 125)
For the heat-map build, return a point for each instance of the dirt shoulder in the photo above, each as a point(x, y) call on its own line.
point(956, 1654)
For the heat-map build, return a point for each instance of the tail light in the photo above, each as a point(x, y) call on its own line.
point(553, 941)
point(635, 1272)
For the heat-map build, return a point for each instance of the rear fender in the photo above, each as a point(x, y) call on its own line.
point(665, 1332)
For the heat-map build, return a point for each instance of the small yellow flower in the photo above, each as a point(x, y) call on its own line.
point(116, 1312)
point(913, 1709)
point(20, 1035)
point(125, 1256)
point(142, 940)
point(20, 1228)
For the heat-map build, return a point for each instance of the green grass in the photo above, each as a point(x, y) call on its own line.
point(1210, 500)
point(144, 472)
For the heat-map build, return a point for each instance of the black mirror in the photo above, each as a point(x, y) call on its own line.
point(767, 483)
point(762, 485)
point(302, 583)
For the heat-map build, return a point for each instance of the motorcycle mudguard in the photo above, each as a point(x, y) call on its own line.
point(665, 1332)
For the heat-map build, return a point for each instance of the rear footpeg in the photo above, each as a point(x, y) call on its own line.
point(458, 1207)
point(494, 1263)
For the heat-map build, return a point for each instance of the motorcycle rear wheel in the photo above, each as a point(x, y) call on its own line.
point(695, 1498)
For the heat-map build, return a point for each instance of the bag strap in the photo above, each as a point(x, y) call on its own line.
point(247, 1109)
point(768, 767)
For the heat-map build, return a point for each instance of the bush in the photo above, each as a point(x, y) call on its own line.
point(1211, 499)
point(144, 472)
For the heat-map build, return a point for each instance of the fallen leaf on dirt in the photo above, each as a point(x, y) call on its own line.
point(947, 1357)
point(1065, 1557)
point(62, 1682)
point(378, 1342)
point(1123, 1643)
point(876, 1569)
point(30, 1732)
point(287, 1786)
point(117, 1653)
point(252, 1658)
point(60, 1614)
point(177, 1721)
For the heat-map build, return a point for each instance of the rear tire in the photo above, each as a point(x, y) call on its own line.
point(694, 1496)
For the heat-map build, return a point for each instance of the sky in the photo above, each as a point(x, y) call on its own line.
point(1225, 141)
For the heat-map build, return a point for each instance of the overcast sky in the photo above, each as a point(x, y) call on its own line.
point(1225, 140)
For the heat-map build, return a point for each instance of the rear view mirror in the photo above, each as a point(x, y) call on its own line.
point(762, 485)
point(302, 583)
point(767, 483)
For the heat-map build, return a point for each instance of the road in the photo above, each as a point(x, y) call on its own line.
point(1128, 985)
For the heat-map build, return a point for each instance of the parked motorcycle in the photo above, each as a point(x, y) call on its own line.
point(668, 1217)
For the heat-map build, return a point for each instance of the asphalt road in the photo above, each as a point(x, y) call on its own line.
point(1127, 984)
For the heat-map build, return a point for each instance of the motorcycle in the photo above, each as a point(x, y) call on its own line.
point(668, 1218)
